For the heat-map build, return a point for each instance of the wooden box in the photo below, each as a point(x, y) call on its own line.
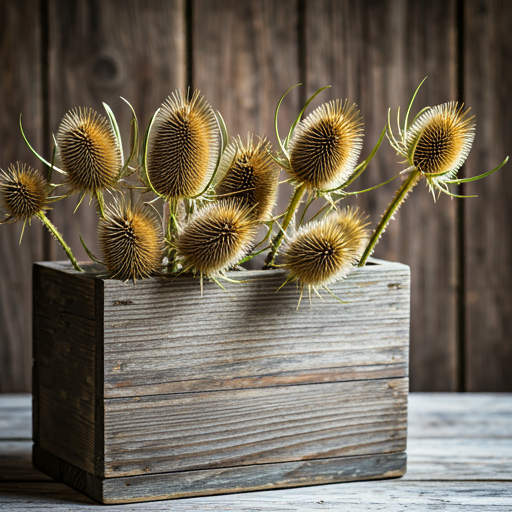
point(150, 391)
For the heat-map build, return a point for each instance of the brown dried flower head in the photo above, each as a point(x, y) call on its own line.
point(249, 176)
point(23, 191)
point(439, 141)
point(326, 251)
point(131, 242)
point(325, 146)
point(89, 150)
point(184, 146)
point(217, 237)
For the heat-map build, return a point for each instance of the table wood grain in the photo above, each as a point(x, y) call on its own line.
point(459, 459)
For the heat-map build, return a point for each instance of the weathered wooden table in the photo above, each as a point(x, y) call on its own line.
point(459, 458)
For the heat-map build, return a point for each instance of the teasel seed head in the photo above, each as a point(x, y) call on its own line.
point(325, 146)
point(184, 146)
point(249, 176)
point(131, 241)
point(326, 251)
point(89, 150)
point(439, 141)
point(217, 237)
point(23, 191)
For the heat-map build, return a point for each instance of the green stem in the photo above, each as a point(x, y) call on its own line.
point(53, 230)
point(172, 232)
point(290, 212)
point(400, 197)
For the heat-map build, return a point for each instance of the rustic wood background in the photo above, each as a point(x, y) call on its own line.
point(242, 54)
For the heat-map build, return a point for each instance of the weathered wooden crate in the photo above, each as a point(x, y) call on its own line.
point(150, 391)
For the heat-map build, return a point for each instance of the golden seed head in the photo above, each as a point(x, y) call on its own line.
point(184, 146)
point(249, 176)
point(439, 141)
point(89, 150)
point(326, 251)
point(131, 242)
point(325, 146)
point(23, 191)
point(217, 237)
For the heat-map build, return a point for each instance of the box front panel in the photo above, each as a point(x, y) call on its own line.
point(163, 337)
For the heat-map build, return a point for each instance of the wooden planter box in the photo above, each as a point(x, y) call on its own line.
point(150, 391)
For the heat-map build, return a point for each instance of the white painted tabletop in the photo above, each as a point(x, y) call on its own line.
point(459, 459)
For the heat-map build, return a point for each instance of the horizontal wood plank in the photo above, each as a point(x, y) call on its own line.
point(374, 496)
point(162, 336)
point(15, 417)
point(460, 415)
point(178, 432)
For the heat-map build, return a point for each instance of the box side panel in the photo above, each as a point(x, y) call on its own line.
point(177, 432)
point(64, 341)
point(163, 337)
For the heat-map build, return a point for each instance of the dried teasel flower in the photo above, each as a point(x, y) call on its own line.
point(23, 191)
point(24, 195)
point(89, 151)
point(183, 146)
point(131, 241)
point(217, 237)
point(325, 146)
point(435, 146)
point(439, 141)
point(249, 176)
point(325, 251)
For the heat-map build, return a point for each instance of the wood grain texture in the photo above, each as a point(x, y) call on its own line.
point(375, 54)
point(145, 435)
point(205, 345)
point(221, 481)
point(64, 344)
point(100, 51)
point(487, 50)
point(459, 444)
point(372, 496)
point(20, 92)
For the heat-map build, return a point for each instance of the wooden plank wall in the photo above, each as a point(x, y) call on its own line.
point(56, 54)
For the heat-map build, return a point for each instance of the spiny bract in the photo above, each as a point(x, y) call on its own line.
point(249, 176)
point(131, 242)
point(326, 251)
point(89, 150)
point(439, 141)
point(184, 146)
point(217, 237)
point(325, 146)
point(23, 191)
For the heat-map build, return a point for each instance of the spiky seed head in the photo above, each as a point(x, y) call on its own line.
point(249, 176)
point(325, 146)
point(184, 146)
point(326, 251)
point(217, 237)
point(439, 141)
point(131, 241)
point(89, 150)
point(23, 191)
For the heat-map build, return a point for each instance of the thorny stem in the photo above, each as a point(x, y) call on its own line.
point(290, 212)
point(53, 230)
point(399, 198)
point(172, 231)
